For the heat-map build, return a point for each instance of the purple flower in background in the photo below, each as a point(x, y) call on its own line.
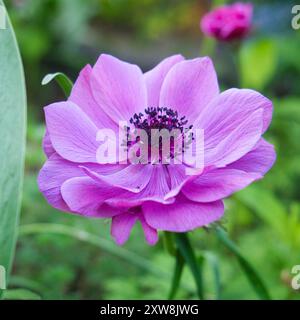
point(177, 93)
point(228, 22)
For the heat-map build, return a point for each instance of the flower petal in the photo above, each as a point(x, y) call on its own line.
point(86, 196)
point(259, 160)
point(189, 86)
point(178, 177)
point(47, 145)
point(118, 87)
point(150, 233)
point(82, 96)
point(121, 227)
point(52, 175)
point(230, 109)
point(155, 77)
point(155, 190)
point(218, 184)
point(133, 178)
point(72, 133)
point(235, 144)
point(183, 215)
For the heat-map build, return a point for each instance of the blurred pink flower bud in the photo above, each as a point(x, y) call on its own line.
point(229, 22)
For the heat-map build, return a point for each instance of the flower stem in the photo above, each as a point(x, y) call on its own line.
point(179, 265)
point(168, 241)
point(186, 251)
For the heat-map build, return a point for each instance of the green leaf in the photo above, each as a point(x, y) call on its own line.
point(179, 265)
point(188, 254)
point(20, 294)
point(12, 141)
point(213, 262)
point(258, 62)
point(252, 276)
point(63, 81)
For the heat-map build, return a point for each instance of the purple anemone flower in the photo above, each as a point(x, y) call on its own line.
point(177, 93)
point(228, 22)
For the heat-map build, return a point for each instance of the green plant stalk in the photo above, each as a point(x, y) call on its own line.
point(168, 241)
point(179, 266)
point(186, 250)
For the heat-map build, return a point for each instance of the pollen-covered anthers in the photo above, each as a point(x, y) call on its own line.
point(159, 118)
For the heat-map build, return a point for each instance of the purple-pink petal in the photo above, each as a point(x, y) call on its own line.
point(72, 133)
point(218, 184)
point(118, 87)
point(156, 189)
point(47, 145)
point(121, 227)
point(232, 145)
point(82, 96)
point(150, 233)
point(53, 174)
point(231, 108)
point(86, 196)
point(189, 86)
point(133, 178)
point(259, 160)
point(155, 78)
point(183, 215)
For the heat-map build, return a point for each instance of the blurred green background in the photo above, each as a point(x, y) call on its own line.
point(74, 257)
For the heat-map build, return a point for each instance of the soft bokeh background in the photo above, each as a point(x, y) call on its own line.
point(60, 256)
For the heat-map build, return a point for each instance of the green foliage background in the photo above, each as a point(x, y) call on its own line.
point(74, 258)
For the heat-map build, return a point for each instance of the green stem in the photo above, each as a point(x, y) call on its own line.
point(187, 252)
point(168, 241)
point(179, 265)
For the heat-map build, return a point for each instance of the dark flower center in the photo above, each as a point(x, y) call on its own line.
point(159, 118)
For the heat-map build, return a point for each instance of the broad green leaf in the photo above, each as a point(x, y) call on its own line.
point(63, 81)
point(252, 276)
point(187, 252)
point(258, 62)
point(12, 141)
